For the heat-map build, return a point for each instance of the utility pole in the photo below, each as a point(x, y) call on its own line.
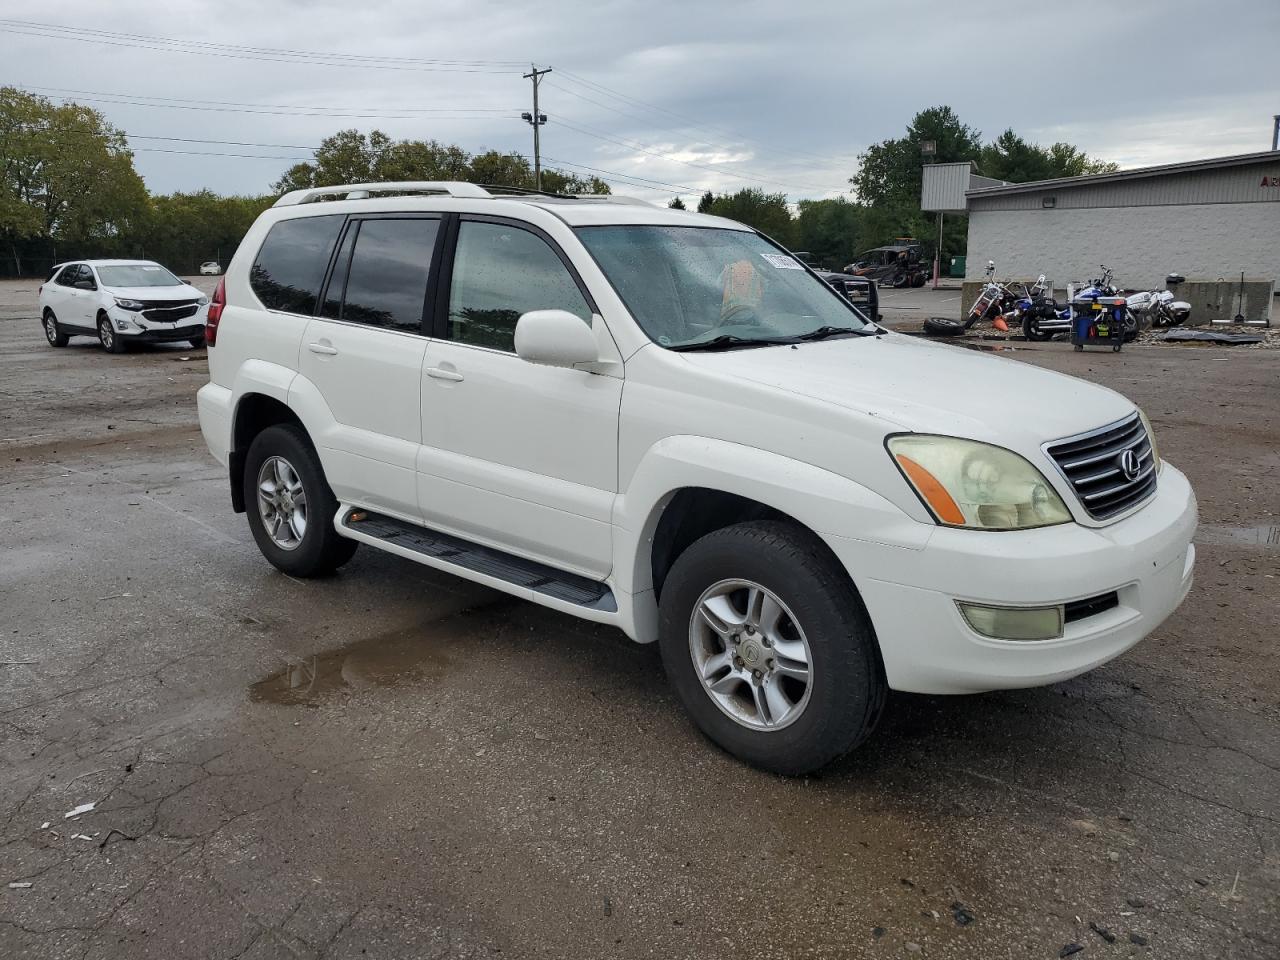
point(536, 120)
point(1275, 132)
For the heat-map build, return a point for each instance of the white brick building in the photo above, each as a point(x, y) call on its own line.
point(1205, 219)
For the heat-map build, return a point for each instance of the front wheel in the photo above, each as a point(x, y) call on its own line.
point(52, 332)
point(111, 341)
point(290, 505)
point(769, 648)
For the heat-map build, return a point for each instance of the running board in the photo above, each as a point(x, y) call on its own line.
point(455, 551)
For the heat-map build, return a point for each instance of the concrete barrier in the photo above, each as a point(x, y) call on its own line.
point(1221, 299)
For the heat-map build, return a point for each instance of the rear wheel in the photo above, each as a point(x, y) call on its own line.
point(769, 648)
point(111, 341)
point(1031, 329)
point(52, 333)
point(290, 505)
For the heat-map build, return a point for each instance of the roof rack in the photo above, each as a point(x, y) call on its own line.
point(361, 191)
point(450, 188)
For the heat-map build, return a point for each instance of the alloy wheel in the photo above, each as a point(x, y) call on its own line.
point(282, 503)
point(751, 654)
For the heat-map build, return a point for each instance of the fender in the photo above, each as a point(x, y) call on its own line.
point(828, 504)
point(260, 376)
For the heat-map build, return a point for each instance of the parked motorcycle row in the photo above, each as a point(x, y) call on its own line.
point(1031, 308)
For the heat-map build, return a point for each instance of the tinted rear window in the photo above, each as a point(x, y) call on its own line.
point(291, 264)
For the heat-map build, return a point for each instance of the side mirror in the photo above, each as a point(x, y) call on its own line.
point(555, 338)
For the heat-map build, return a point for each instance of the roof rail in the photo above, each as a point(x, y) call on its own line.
point(361, 191)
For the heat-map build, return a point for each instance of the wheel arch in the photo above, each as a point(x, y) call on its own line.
point(254, 412)
point(686, 487)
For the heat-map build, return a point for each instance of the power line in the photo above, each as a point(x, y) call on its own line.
point(171, 45)
point(242, 47)
point(225, 143)
point(212, 153)
point(661, 184)
point(238, 103)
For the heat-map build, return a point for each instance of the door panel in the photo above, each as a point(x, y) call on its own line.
point(365, 358)
point(515, 454)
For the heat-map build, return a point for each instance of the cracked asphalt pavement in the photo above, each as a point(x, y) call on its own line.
point(393, 763)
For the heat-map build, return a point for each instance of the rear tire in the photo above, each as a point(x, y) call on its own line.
point(52, 332)
point(292, 522)
point(1031, 329)
point(809, 621)
point(111, 341)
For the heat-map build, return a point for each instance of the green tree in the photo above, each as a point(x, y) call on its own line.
point(182, 230)
point(832, 230)
point(65, 173)
point(767, 212)
point(706, 201)
point(676, 204)
point(350, 156)
point(889, 171)
point(1010, 157)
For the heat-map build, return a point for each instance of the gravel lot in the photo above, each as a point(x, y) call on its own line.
point(395, 763)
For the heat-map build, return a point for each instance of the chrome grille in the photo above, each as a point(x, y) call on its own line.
point(1092, 464)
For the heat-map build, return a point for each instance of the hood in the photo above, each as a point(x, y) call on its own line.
point(183, 292)
point(928, 388)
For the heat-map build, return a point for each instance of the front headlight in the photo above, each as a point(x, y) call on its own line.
point(202, 301)
point(1151, 436)
point(130, 304)
point(965, 483)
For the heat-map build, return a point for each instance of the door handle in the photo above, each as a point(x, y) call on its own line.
point(324, 349)
point(441, 373)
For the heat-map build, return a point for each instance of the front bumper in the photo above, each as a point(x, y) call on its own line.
point(133, 325)
point(927, 646)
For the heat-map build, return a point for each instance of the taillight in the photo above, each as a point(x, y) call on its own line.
point(216, 303)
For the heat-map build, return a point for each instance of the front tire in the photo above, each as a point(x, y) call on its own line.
point(290, 505)
point(111, 341)
point(769, 647)
point(942, 327)
point(52, 332)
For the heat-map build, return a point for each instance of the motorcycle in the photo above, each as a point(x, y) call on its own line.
point(1040, 316)
point(994, 303)
point(1160, 308)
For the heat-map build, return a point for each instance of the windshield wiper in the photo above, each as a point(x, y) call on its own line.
point(822, 333)
point(727, 341)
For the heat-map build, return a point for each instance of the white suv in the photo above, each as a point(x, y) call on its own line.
point(120, 302)
point(663, 421)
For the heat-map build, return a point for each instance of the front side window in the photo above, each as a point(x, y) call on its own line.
point(692, 286)
point(137, 275)
point(387, 281)
point(499, 273)
point(291, 263)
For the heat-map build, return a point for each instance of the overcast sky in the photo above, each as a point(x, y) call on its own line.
point(685, 95)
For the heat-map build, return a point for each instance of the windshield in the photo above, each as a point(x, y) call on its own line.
point(137, 275)
point(692, 285)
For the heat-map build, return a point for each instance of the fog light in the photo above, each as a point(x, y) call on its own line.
point(1013, 623)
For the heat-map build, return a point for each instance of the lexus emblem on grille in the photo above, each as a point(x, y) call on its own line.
point(1130, 465)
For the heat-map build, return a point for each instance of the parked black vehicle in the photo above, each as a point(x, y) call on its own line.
point(893, 265)
point(860, 291)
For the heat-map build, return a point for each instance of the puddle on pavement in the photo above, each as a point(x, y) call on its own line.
point(405, 656)
point(1264, 535)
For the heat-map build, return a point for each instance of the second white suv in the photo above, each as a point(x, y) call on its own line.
point(121, 302)
point(665, 422)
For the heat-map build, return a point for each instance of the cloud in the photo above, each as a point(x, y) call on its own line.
point(687, 96)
